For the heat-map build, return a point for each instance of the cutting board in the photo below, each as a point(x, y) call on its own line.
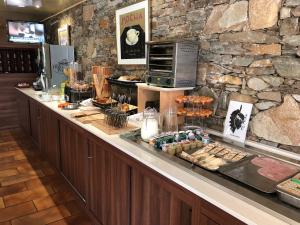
point(91, 118)
point(101, 125)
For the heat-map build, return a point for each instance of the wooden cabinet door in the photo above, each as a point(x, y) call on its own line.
point(73, 156)
point(156, 201)
point(24, 115)
point(35, 118)
point(211, 215)
point(205, 220)
point(49, 127)
point(109, 185)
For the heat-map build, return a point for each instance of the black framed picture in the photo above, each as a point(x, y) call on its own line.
point(132, 24)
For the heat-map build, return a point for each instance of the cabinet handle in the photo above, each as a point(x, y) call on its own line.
point(90, 157)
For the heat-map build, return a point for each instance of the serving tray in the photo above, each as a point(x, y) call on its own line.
point(248, 173)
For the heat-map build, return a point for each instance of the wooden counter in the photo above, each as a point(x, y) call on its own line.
point(8, 101)
point(121, 187)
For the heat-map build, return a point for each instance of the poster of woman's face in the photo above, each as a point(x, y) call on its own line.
point(132, 33)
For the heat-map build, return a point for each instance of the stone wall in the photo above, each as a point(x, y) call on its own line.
point(248, 49)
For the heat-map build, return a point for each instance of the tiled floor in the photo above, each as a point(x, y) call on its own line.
point(31, 191)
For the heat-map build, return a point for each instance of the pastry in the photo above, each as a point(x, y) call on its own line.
point(208, 147)
point(181, 112)
point(222, 153)
point(181, 99)
point(190, 114)
point(216, 150)
point(207, 159)
point(204, 113)
point(229, 156)
point(187, 157)
point(198, 152)
point(214, 164)
point(239, 156)
point(201, 156)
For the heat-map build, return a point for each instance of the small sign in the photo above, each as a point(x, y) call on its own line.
point(237, 121)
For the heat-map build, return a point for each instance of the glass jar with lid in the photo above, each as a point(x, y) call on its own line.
point(150, 124)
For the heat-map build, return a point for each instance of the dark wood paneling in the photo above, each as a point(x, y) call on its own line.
point(109, 185)
point(35, 121)
point(38, 194)
point(154, 202)
point(207, 221)
point(24, 114)
point(50, 136)
point(73, 156)
point(210, 214)
point(8, 98)
point(18, 45)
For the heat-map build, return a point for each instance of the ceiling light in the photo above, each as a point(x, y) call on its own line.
point(24, 3)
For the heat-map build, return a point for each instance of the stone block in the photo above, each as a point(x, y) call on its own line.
point(104, 23)
point(242, 98)
point(88, 12)
point(273, 80)
point(285, 12)
point(270, 95)
point(280, 124)
point(292, 2)
point(257, 84)
point(288, 67)
point(249, 37)
point(296, 11)
point(226, 48)
point(256, 71)
point(229, 79)
point(289, 26)
point(264, 105)
point(260, 49)
point(293, 40)
point(259, 18)
point(242, 60)
point(227, 17)
point(262, 63)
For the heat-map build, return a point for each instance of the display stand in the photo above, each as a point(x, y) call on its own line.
point(166, 96)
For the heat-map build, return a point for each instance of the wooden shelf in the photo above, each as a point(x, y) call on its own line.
point(162, 89)
point(18, 45)
point(166, 96)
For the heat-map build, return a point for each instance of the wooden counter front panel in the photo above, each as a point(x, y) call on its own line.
point(109, 185)
point(73, 153)
point(9, 102)
point(35, 118)
point(50, 136)
point(24, 114)
point(154, 202)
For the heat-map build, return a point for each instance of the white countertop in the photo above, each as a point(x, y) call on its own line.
point(231, 202)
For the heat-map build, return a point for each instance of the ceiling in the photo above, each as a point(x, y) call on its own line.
point(34, 10)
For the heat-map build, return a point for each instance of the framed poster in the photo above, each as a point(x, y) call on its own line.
point(63, 35)
point(237, 121)
point(132, 32)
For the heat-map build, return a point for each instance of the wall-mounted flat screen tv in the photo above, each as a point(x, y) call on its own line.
point(25, 32)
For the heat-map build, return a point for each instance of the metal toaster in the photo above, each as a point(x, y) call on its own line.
point(172, 64)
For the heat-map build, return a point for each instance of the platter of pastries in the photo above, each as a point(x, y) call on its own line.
point(199, 112)
point(213, 156)
point(204, 100)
